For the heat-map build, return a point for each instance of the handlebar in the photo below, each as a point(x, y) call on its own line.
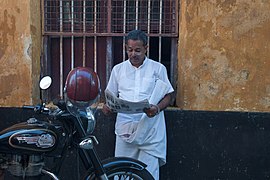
point(61, 104)
point(28, 107)
point(61, 114)
point(40, 108)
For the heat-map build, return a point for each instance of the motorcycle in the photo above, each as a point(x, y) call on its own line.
point(25, 146)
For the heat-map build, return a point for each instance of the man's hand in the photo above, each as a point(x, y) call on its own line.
point(152, 111)
point(106, 110)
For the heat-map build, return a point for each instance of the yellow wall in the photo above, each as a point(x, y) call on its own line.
point(20, 44)
point(224, 55)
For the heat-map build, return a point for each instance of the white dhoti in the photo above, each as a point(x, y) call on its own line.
point(147, 137)
point(124, 149)
point(150, 148)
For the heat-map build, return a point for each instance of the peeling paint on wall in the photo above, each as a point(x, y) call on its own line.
point(15, 54)
point(28, 49)
point(7, 31)
point(224, 55)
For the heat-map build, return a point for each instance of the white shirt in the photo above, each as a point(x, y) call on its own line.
point(136, 84)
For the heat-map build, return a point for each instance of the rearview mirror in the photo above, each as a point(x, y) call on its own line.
point(45, 82)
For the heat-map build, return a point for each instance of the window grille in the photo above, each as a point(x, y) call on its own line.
point(91, 33)
point(110, 16)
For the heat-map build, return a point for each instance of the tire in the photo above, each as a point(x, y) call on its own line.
point(118, 173)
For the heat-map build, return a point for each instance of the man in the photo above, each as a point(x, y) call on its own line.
point(141, 135)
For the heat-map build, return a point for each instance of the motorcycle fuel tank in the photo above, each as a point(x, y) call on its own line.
point(32, 136)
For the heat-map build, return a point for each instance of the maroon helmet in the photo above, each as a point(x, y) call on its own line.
point(82, 91)
point(82, 88)
point(82, 84)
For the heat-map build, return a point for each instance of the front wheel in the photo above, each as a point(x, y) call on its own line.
point(118, 168)
point(124, 173)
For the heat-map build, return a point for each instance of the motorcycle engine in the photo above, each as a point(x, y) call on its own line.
point(22, 165)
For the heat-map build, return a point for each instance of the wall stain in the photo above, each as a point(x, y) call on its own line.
point(18, 10)
point(9, 84)
point(15, 54)
point(223, 57)
point(8, 29)
point(33, 30)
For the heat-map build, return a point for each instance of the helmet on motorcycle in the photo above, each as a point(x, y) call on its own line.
point(82, 88)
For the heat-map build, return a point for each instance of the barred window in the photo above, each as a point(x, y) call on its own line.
point(91, 33)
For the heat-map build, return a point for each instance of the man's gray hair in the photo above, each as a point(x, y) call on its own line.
point(137, 35)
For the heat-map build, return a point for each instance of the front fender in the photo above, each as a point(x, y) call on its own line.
point(121, 164)
point(115, 162)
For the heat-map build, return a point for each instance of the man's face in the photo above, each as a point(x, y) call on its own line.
point(136, 52)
